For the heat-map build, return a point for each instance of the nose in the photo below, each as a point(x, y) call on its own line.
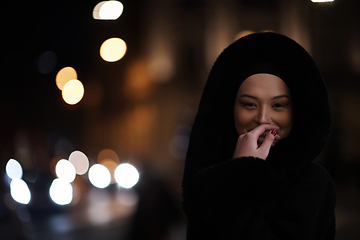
point(263, 116)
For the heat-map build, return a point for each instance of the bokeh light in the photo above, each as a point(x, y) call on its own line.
point(108, 10)
point(179, 142)
point(178, 146)
point(126, 175)
point(20, 191)
point(108, 154)
point(99, 176)
point(73, 92)
point(80, 162)
point(96, 10)
point(316, 1)
point(64, 75)
point(65, 170)
point(63, 147)
point(128, 197)
point(61, 192)
point(111, 166)
point(13, 169)
point(138, 82)
point(110, 160)
point(100, 211)
point(113, 49)
point(47, 62)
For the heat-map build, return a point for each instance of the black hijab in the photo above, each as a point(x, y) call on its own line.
point(214, 136)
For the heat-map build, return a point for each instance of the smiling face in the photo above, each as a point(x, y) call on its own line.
point(263, 99)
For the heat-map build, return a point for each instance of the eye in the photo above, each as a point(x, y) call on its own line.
point(279, 105)
point(248, 105)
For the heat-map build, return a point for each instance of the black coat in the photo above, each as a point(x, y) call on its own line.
point(285, 197)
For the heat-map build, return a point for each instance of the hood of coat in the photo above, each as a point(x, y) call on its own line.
point(214, 136)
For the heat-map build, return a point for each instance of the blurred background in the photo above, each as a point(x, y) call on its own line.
point(98, 100)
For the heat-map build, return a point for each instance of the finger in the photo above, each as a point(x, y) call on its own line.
point(266, 145)
point(262, 128)
point(241, 136)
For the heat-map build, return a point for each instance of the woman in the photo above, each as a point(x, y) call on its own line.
point(263, 118)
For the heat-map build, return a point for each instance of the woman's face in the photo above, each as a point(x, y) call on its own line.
point(263, 99)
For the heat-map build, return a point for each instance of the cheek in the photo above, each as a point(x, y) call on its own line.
point(242, 120)
point(284, 122)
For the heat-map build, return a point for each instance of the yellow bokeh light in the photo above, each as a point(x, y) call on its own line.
point(138, 83)
point(73, 92)
point(107, 154)
point(64, 75)
point(113, 49)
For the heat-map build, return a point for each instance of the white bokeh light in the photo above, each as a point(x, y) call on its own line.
point(20, 191)
point(99, 176)
point(321, 1)
point(108, 10)
point(111, 10)
point(14, 169)
point(65, 170)
point(80, 162)
point(61, 192)
point(126, 175)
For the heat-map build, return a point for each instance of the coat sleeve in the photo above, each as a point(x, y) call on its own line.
point(235, 198)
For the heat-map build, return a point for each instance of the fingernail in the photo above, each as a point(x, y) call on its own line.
point(273, 132)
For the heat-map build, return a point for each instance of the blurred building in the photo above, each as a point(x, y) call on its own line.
point(143, 105)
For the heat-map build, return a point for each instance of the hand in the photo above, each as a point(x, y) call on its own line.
point(250, 145)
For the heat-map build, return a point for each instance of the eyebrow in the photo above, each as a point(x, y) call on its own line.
point(276, 97)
